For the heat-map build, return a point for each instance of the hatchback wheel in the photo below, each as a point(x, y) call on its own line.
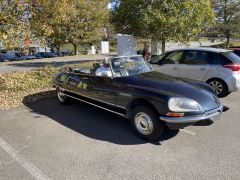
point(219, 87)
point(146, 124)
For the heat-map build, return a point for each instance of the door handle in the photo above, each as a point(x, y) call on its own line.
point(175, 68)
point(203, 69)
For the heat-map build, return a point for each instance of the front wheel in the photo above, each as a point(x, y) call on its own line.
point(146, 124)
point(219, 87)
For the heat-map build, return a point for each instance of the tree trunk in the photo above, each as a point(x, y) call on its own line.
point(51, 48)
point(228, 41)
point(75, 48)
point(145, 45)
point(58, 48)
point(163, 45)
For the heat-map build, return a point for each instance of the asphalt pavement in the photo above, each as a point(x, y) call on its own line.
point(46, 140)
point(38, 63)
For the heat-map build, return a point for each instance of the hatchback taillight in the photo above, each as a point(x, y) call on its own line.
point(233, 67)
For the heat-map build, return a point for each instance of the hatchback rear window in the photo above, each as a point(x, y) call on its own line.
point(218, 59)
point(232, 56)
point(237, 52)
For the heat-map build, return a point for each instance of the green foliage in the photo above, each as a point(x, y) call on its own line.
point(74, 21)
point(162, 20)
point(228, 18)
point(13, 24)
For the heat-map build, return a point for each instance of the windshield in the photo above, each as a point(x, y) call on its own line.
point(156, 59)
point(128, 66)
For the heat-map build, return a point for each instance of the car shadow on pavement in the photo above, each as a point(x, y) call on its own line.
point(92, 122)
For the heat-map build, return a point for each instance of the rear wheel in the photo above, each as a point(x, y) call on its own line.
point(146, 124)
point(219, 87)
point(62, 98)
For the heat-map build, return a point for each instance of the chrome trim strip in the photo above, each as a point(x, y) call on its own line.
point(93, 98)
point(88, 97)
point(95, 105)
point(121, 107)
point(220, 108)
point(192, 119)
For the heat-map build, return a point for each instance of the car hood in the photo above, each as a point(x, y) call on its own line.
point(173, 87)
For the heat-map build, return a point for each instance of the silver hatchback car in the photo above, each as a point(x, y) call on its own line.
point(220, 68)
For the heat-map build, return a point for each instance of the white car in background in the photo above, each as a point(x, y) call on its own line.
point(220, 68)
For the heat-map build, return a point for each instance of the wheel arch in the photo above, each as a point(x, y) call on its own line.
point(216, 78)
point(139, 102)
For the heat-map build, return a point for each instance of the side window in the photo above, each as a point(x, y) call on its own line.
point(17, 54)
point(195, 58)
point(72, 80)
point(172, 58)
point(218, 59)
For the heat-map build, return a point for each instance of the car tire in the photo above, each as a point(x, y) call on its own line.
point(219, 87)
point(146, 124)
point(63, 99)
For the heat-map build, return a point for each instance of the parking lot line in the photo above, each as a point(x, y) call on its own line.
point(27, 165)
point(188, 132)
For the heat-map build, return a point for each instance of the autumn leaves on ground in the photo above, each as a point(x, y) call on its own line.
point(35, 84)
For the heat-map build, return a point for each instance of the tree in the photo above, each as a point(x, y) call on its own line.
point(88, 22)
point(162, 20)
point(73, 21)
point(228, 17)
point(47, 20)
point(13, 29)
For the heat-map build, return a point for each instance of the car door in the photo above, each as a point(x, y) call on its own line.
point(194, 65)
point(97, 88)
point(102, 89)
point(169, 64)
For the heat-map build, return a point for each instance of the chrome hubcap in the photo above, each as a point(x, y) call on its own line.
point(61, 96)
point(143, 123)
point(217, 86)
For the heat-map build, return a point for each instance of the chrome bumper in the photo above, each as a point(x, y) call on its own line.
point(211, 115)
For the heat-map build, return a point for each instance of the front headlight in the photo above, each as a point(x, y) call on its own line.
point(183, 105)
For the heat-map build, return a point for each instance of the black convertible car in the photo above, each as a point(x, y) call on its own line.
point(151, 100)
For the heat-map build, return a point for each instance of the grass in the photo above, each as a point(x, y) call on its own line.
point(15, 86)
point(234, 44)
point(51, 59)
point(224, 45)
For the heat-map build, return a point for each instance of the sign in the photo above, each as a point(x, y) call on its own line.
point(126, 45)
point(104, 47)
